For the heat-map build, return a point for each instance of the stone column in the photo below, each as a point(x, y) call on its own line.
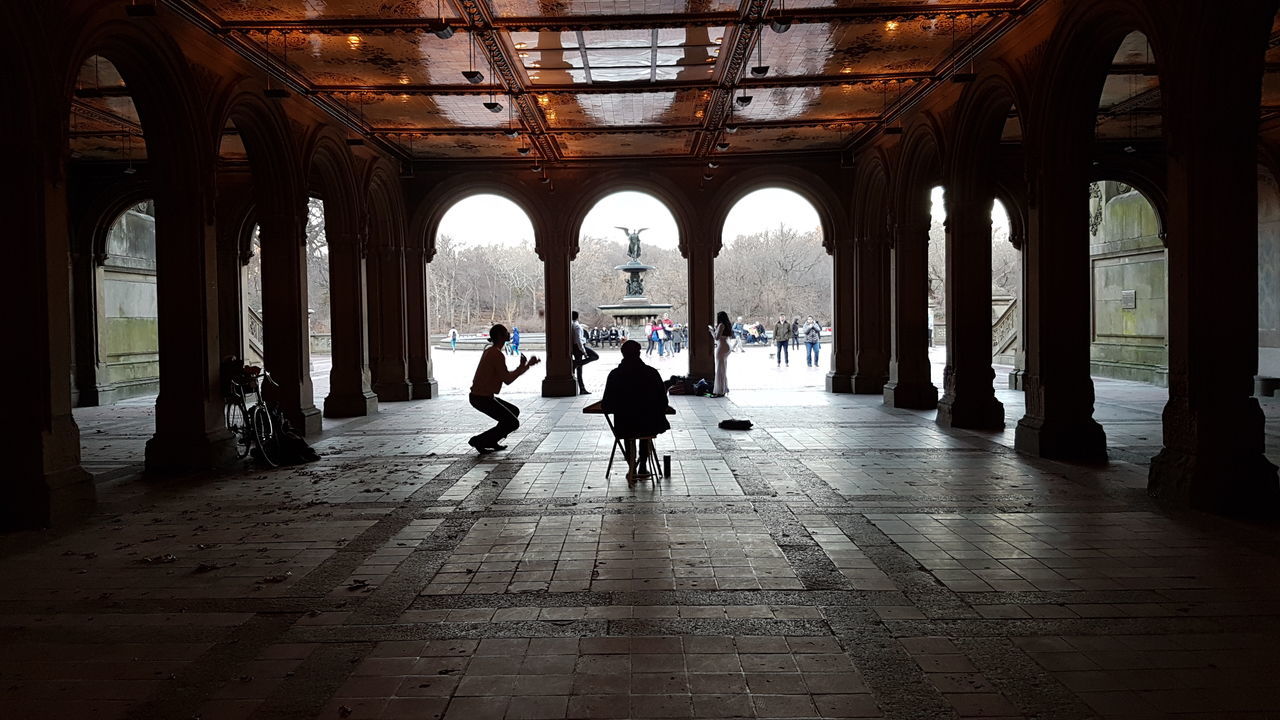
point(702, 310)
point(910, 384)
point(191, 431)
point(421, 377)
point(1059, 392)
point(844, 322)
point(84, 328)
point(559, 381)
point(349, 391)
point(1213, 456)
point(44, 483)
point(389, 349)
point(968, 399)
point(286, 341)
point(871, 261)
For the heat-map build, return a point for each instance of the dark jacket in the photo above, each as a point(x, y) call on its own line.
point(636, 398)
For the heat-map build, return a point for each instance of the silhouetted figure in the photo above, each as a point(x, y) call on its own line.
point(491, 375)
point(637, 399)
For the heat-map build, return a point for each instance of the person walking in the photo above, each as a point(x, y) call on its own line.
point(651, 336)
point(722, 331)
point(795, 333)
point(515, 340)
point(453, 339)
point(739, 334)
point(582, 354)
point(491, 375)
point(782, 339)
point(812, 337)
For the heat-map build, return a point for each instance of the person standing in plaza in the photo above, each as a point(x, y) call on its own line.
point(491, 375)
point(453, 339)
point(782, 339)
point(515, 340)
point(739, 334)
point(581, 353)
point(812, 338)
point(722, 331)
point(795, 333)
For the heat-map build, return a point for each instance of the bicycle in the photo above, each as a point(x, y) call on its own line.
point(255, 426)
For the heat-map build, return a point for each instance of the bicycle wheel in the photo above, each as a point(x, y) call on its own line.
point(264, 435)
point(239, 427)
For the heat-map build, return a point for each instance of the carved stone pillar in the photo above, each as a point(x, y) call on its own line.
point(1059, 392)
point(556, 257)
point(191, 431)
point(44, 483)
point(871, 261)
point(844, 324)
point(1213, 456)
point(968, 399)
point(702, 310)
point(389, 348)
point(349, 386)
point(84, 328)
point(910, 384)
point(421, 377)
point(286, 342)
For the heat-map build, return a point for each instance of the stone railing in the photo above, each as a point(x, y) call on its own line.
point(1004, 331)
point(254, 340)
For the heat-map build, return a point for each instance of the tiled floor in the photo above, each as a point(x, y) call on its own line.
point(839, 560)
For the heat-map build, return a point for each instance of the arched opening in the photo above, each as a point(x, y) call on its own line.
point(114, 272)
point(629, 281)
point(1006, 278)
point(773, 266)
point(1129, 312)
point(484, 272)
point(1268, 282)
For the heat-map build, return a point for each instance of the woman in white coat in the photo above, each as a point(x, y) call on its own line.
point(723, 334)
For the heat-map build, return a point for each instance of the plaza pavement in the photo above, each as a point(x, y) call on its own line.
point(839, 560)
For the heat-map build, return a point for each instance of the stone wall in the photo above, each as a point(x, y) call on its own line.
point(128, 341)
point(1127, 264)
point(1268, 275)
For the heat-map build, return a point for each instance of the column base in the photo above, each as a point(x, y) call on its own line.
point(1017, 380)
point(350, 405)
point(977, 414)
point(1225, 483)
point(911, 396)
point(1082, 441)
point(839, 383)
point(172, 454)
point(565, 386)
point(51, 489)
point(868, 385)
point(424, 390)
point(312, 421)
point(393, 391)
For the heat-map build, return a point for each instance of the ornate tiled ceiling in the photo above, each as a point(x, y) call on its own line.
point(610, 78)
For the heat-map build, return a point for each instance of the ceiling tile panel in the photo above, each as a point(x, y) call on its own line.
point(401, 58)
point(456, 145)
point(668, 142)
point(276, 10)
point(623, 109)
point(866, 4)
point(569, 8)
point(808, 104)
point(423, 111)
point(864, 47)
point(809, 138)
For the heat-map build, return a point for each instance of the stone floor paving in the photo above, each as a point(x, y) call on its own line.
point(840, 560)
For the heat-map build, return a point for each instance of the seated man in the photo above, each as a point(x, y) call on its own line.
point(635, 396)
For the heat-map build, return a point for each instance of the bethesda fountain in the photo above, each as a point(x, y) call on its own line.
point(635, 307)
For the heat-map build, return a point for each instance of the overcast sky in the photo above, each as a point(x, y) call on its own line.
point(491, 219)
point(505, 223)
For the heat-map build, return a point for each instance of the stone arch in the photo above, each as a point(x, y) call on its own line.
point(329, 171)
point(979, 123)
point(386, 205)
point(920, 164)
point(94, 222)
point(272, 160)
point(872, 194)
point(816, 190)
point(441, 199)
point(617, 181)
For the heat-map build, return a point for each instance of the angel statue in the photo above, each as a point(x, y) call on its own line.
point(633, 241)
